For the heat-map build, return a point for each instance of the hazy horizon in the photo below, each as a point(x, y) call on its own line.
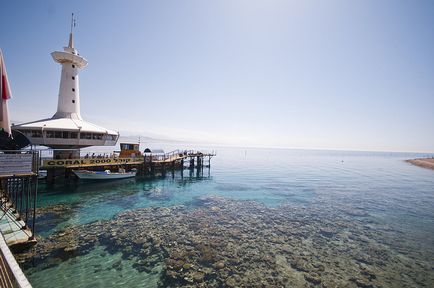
point(332, 75)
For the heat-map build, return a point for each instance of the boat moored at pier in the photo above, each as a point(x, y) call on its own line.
point(104, 175)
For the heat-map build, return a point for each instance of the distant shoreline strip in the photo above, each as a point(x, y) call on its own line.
point(423, 162)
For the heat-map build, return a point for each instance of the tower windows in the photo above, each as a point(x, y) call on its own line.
point(73, 89)
point(73, 101)
point(73, 78)
point(73, 66)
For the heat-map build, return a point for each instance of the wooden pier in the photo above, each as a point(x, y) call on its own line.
point(148, 164)
point(175, 160)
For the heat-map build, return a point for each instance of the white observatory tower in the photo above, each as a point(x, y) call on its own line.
point(67, 129)
point(68, 104)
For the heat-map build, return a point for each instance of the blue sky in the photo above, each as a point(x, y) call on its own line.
point(305, 74)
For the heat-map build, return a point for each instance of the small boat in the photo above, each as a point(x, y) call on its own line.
point(104, 175)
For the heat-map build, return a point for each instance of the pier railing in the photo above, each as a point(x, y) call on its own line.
point(11, 275)
point(18, 193)
point(176, 155)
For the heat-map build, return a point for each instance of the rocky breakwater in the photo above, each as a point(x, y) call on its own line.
point(226, 243)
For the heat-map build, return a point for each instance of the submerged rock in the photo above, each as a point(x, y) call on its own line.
point(313, 278)
point(220, 265)
point(327, 232)
point(198, 276)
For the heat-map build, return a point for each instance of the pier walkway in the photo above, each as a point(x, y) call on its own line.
point(14, 230)
point(18, 190)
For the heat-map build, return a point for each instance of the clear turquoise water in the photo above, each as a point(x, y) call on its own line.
point(394, 193)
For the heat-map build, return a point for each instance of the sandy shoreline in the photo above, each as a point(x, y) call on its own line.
point(423, 162)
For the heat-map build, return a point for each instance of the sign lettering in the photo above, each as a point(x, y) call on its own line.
point(83, 162)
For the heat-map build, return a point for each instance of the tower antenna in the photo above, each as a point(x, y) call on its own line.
point(72, 21)
point(71, 41)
